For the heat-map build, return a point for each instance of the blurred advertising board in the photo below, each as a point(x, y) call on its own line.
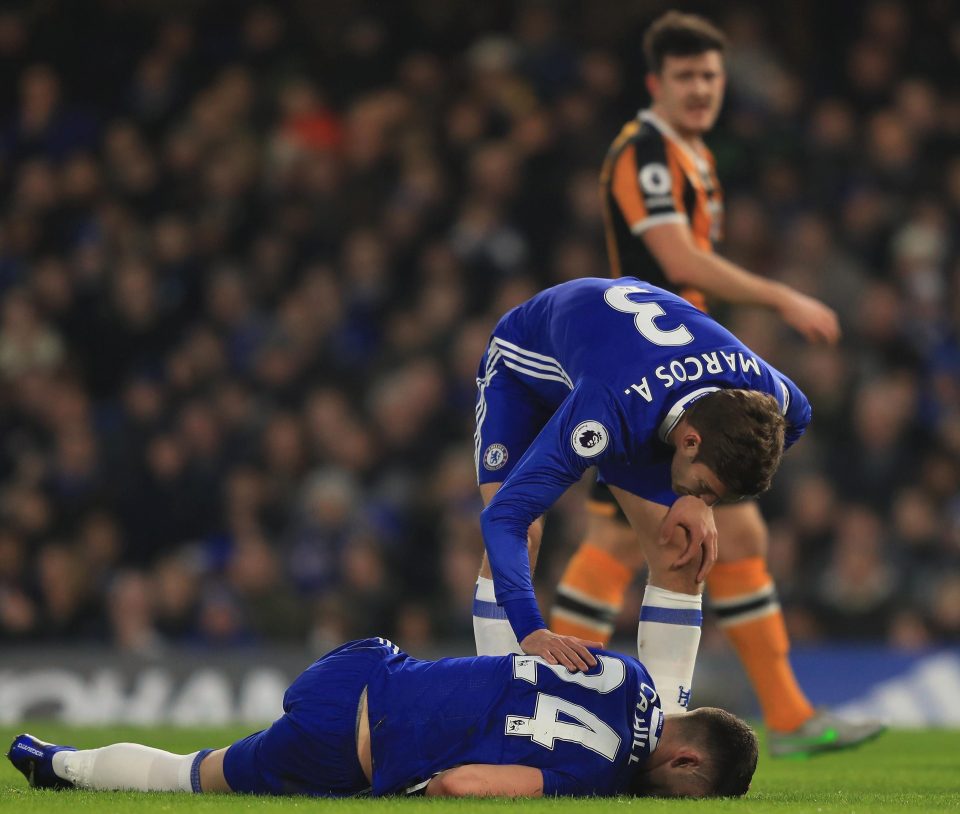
point(191, 687)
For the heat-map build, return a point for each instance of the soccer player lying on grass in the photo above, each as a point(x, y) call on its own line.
point(368, 718)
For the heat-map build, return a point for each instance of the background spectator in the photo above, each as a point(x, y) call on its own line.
point(250, 255)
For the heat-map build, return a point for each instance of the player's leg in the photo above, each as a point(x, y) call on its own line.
point(117, 767)
point(592, 589)
point(212, 778)
point(312, 748)
point(509, 416)
point(744, 597)
point(491, 628)
point(668, 632)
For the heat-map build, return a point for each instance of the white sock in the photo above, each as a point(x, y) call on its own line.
point(126, 767)
point(491, 628)
point(667, 640)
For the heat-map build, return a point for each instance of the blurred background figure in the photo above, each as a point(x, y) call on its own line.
point(249, 261)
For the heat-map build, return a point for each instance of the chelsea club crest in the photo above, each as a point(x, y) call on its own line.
point(495, 457)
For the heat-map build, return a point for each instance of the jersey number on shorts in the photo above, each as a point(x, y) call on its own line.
point(545, 727)
point(645, 314)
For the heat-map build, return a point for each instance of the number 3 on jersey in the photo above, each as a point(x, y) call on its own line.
point(545, 727)
point(618, 297)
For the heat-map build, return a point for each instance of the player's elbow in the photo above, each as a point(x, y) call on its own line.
point(439, 786)
point(678, 258)
point(499, 516)
point(464, 783)
point(459, 782)
point(682, 267)
point(677, 274)
point(488, 523)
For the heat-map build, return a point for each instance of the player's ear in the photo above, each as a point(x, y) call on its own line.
point(653, 84)
point(686, 758)
point(690, 442)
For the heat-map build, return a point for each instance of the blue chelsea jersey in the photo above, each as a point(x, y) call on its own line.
point(587, 732)
point(617, 362)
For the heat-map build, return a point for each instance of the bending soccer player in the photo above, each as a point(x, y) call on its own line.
point(665, 402)
point(367, 718)
point(663, 209)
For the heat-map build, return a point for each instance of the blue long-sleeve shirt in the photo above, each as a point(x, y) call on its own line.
point(587, 733)
point(618, 361)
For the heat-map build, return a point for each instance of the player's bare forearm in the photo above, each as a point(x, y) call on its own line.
point(485, 780)
point(685, 264)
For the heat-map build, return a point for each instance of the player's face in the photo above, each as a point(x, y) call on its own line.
point(695, 478)
point(688, 91)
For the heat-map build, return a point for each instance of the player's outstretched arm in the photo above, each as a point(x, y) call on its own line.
point(487, 780)
point(685, 264)
point(812, 319)
point(555, 460)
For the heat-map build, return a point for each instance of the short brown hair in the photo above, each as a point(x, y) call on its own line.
point(680, 35)
point(730, 747)
point(729, 751)
point(741, 438)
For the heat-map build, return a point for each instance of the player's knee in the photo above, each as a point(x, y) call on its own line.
point(212, 778)
point(662, 560)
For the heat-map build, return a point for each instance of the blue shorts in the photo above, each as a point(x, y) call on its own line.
point(515, 400)
point(312, 748)
point(510, 414)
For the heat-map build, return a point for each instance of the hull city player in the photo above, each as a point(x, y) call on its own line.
point(663, 208)
point(665, 402)
point(368, 719)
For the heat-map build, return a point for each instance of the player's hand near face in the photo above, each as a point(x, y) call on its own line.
point(568, 651)
point(696, 518)
point(815, 321)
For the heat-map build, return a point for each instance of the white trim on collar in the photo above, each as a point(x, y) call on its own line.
point(675, 413)
point(665, 129)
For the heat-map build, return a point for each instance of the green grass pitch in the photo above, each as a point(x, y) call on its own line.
point(907, 771)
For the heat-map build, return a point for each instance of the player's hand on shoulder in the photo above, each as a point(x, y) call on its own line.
point(568, 651)
point(815, 321)
point(696, 518)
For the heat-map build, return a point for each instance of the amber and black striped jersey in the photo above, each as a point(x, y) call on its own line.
point(650, 176)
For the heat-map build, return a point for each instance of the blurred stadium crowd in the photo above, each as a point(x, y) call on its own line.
point(250, 256)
